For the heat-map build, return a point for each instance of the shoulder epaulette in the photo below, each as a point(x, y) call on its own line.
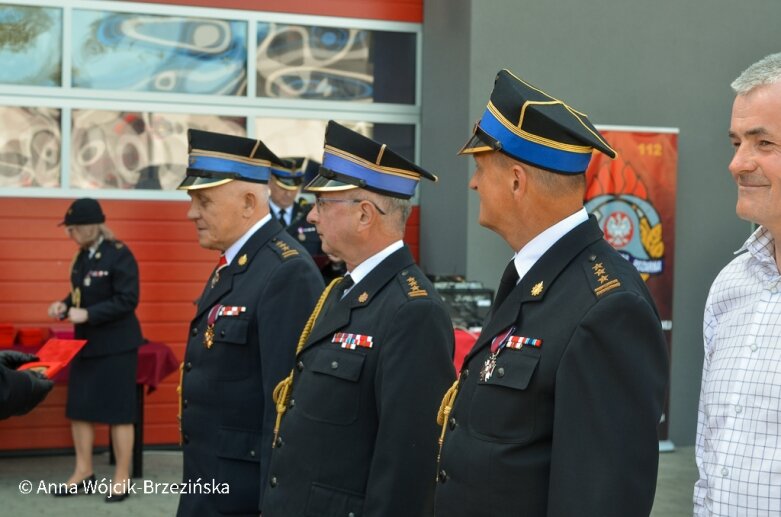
point(119, 245)
point(284, 249)
point(302, 202)
point(601, 279)
point(411, 285)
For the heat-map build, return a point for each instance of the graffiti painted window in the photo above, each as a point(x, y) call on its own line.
point(29, 147)
point(301, 137)
point(30, 43)
point(329, 63)
point(140, 52)
point(132, 150)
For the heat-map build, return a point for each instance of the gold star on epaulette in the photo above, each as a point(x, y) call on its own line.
point(606, 283)
point(415, 289)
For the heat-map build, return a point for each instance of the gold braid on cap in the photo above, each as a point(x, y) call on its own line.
point(442, 415)
point(281, 395)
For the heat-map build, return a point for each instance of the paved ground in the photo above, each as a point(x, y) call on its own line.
point(677, 474)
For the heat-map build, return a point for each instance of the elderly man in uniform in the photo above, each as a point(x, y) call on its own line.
point(557, 405)
point(357, 437)
point(247, 322)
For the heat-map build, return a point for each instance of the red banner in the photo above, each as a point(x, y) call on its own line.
point(633, 198)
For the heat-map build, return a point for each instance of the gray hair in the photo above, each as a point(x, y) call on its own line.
point(765, 71)
point(398, 209)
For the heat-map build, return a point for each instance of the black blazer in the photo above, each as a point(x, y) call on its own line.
point(109, 287)
point(227, 412)
point(359, 437)
point(567, 427)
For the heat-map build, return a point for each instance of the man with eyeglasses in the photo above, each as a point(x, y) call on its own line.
point(355, 433)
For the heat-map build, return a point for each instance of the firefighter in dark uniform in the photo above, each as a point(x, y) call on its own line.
point(557, 405)
point(20, 391)
point(291, 211)
point(102, 379)
point(357, 436)
point(248, 319)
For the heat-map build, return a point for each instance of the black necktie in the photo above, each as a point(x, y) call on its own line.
point(506, 284)
point(341, 287)
point(281, 216)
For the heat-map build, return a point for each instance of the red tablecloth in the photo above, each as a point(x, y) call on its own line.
point(155, 362)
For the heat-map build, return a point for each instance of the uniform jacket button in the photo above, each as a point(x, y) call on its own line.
point(351, 514)
point(292, 403)
point(273, 482)
point(465, 374)
point(188, 366)
point(442, 477)
point(278, 442)
point(194, 331)
point(222, 333)
point(300, 365)
point(500, 372)
point(452, 423)
point(184, 403)
point(186, 438)
point(334, 365)
point(252, 453)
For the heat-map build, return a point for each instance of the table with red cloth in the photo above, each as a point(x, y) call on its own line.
point(155, 362)
point(465, 340)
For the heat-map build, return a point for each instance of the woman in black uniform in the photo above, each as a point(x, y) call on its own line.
point(102, 303)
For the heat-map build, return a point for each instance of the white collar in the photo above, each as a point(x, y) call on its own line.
point(364, 268)
point(94, 248)
point(234, 248)
point(536, 248)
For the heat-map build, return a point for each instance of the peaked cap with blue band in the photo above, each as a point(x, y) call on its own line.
point(301, 170)
point(216, 158)
point(351, 160)
point(529, 125)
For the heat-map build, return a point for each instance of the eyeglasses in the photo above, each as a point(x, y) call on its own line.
point(322, 201)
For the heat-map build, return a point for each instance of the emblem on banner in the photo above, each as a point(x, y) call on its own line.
point(619, 199)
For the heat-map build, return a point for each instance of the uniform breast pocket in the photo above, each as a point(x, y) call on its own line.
point(332, 392)
point(503, 408)
point(231, 357)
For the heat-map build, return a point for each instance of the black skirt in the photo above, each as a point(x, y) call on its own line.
point(103, 389)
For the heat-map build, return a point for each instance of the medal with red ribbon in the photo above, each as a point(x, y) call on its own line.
point(497, 344)
point(214, 313)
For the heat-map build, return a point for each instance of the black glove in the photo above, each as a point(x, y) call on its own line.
point(41, 386)
point(13, 359)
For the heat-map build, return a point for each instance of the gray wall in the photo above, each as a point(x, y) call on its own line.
point(624, 62)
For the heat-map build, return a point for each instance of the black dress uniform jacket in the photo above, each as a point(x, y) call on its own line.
point(227, 412)
point(359, 437)
point(305, 232)
point(567, 427)
point(109, 287)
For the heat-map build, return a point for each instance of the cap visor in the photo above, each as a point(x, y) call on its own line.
point(200, 182)
point(321, 184)
point(288, 183)
point(476, 144)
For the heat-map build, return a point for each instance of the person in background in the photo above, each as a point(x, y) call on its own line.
point(558, 402)
point(292, 210)
point(20, 391)
point(102, 379)
point(738, 444)
point(356, 435)
point(247, 322)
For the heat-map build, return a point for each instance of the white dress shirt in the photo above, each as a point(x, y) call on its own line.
point(287, 213)
point(234, 248)
point(365, 267)
point(738, 449)
point(536, 248)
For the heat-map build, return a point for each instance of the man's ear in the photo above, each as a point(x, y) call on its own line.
point(520, 178)
point(250, 203)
